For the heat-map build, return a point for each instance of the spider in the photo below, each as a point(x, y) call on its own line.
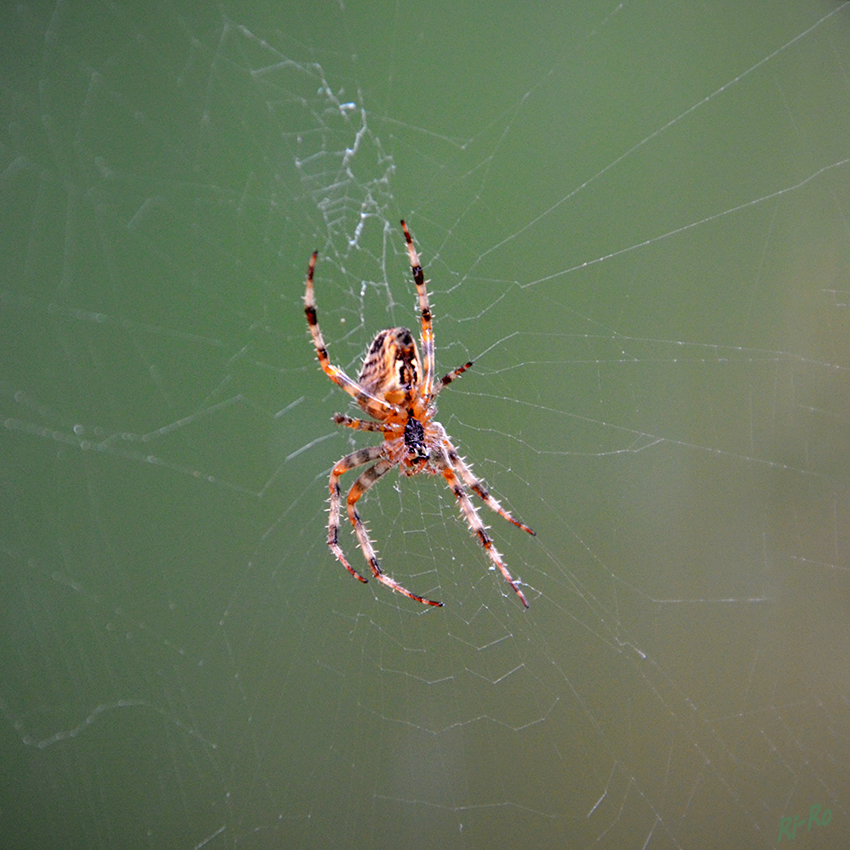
point(396, 387)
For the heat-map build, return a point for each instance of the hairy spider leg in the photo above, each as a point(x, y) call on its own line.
point(427, 322)
point(447, 379)
point(473, 519)
point(363, 424)
point(370, 404)
point(477, 486)
point(349, 462)
point(360, 486)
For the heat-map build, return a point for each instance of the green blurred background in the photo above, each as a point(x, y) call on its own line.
point(635, 219)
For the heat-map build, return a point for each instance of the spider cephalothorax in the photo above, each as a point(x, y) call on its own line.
point(414, 441)
point(396, 388)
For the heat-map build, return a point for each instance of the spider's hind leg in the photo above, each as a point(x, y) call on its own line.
point(375, 407)
point(425, 315)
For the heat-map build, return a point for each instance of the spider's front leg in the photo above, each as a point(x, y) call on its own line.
point(479, 488)
point(352, 461)
point(360, 458)
point(360, 486)
point(473, 520)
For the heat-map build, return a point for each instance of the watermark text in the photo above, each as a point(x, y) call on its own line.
point(788, 826)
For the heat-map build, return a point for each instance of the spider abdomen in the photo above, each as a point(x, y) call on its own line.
point(392, 369)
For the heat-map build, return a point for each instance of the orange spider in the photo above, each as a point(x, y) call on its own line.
point(396, 388)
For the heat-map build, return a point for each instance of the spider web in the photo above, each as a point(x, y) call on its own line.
point(634, 219)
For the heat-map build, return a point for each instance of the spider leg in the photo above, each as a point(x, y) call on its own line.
point(373, 406)
point(447, 379)
point(477, 485)
point(425, 310)
point(473, 520)
point(362, 424)
point(360, 486)
point(352, 461)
